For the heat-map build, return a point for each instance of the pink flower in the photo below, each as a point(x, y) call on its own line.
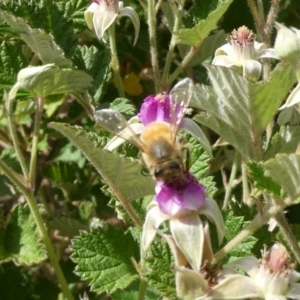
point(157, 108)
point(176, 197)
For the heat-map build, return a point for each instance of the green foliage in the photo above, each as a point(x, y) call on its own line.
point(132, 292)
point(233, 226)
point(96, 64)
point(15, 283)
point(160, 277)
point(123, 106)
point(20, 240)
point(47, 17)
point(66, 226)
point(11, 61)
point(284, 141)
point(197, 34)
point(49, 80)
point(42, 44)
point(199, 165)
point(100, 261)
point(261, 181)
point(122, 175)
point(239, 110)
point(284, 169)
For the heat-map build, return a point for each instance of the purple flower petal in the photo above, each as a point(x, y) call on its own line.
point(155, 108)
point(172, 198)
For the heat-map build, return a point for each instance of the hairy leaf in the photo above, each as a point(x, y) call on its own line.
point(49, 80)
point(66, 226)
point(239, 110)
point(197, 34)
point(11, 61)
point(262, 182)
point(42, 44)
point(97, 64)
point(161, 278)
point(233, 226)
point(122, 175)
point(21, 240)
point(207, 49)
point(284, 141)
point(103, 258)
point(285, 170)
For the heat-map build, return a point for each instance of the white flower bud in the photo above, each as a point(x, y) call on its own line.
point(287, 43)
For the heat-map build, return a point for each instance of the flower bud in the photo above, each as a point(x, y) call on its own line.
point(287, 43)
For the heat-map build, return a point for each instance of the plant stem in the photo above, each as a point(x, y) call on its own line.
point(229, 186)
point(258, 221)
point(184, 63)
point(35, 140)
point(152, 40)
point(41, 227)
point(12, 128)
point(142, 289)
point(114, 60)
point(177, 24)
point(245, 184)
point(288, 235)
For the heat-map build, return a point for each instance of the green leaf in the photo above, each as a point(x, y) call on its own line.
point(60, 171)
point(160, 276)
point(207, 49)
point(284, 141)
point(262, 182)
point(123, 106)
point(239, 110)
point(42, 44)
point(233, 226)
point(49, 80)
point(197, 34)
point(285, 170)
point(132, 292)
point(97, 64)
point(20, 238)
point(15, 283)
point(66, 226)
point(74, 10)
point(201, 9)
point(121, 174)
point(104, 259)
point(11, 61)
point(199, 165)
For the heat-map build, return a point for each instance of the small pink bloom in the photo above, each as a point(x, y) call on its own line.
point(173, 198)
point(157, 108)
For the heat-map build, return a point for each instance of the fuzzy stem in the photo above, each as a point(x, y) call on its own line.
point(12, 128)
point(177, 25)
point(229, 186)
point(142, 289)
point(152, 40)
point(253, 9)
point(35, 140)
point(288, 235)
point(184, 63)
point(114, 60)
point(257, 222)
point(245, 184)
point(41, 227)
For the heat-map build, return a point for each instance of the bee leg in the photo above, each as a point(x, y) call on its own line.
point(187, 158)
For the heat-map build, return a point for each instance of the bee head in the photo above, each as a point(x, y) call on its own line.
point(168, 171)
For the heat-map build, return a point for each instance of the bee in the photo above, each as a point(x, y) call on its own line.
point(164, 154)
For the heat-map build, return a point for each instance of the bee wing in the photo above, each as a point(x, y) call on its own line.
point(114, 122)
point(180, 97)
